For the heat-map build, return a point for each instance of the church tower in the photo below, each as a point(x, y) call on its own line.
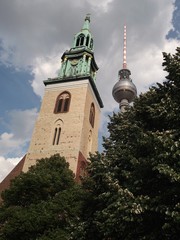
point(68, 120)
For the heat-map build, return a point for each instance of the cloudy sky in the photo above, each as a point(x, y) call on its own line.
point(35, 33)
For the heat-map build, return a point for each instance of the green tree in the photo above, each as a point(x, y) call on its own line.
point(41, 204)
point(133, 188)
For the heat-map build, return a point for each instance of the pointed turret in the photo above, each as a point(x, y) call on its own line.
point(79, 61)
point(84, 38)
point(124, 91)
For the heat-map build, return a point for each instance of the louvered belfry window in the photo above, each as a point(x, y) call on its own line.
point(92, 115)
point(62, 103)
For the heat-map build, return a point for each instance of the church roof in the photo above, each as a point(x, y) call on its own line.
point(14, 173)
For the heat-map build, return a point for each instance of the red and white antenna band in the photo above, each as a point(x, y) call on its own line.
point(124, 49)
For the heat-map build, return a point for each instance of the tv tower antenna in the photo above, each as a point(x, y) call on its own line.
point(124, 49)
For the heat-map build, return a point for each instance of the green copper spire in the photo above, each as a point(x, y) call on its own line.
point(86, 22)
point(84, 37)
point(79, 61)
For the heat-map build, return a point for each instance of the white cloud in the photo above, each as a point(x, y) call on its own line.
point(6, 165)
point(7, 141)
point(39, 41)
point(43, 69)
point(20, 126)
point(101, 5)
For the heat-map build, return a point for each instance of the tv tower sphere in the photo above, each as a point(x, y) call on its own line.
point(124, 88)
point(124, 91)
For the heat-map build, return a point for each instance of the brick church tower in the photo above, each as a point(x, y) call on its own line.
point(68, 120)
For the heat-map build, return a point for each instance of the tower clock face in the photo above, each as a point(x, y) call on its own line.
point(74, 62)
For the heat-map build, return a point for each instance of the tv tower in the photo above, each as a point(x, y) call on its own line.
point(124, 91)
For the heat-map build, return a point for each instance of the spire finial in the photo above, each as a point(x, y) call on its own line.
point(86, 22)
point(124, 49)
point(88, 17)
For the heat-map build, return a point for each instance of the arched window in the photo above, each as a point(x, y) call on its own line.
point(87, 41)
point(57, 132)
point(62, 103)
point(56, 138)
point(91, 44)
point(80, 40)
point(92, 115)
point(82, 170)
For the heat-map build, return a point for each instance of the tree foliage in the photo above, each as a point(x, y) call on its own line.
point(40, 204)
point(134, 185)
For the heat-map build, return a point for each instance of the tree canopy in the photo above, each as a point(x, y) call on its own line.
point(41, 204)
point(134, 185)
